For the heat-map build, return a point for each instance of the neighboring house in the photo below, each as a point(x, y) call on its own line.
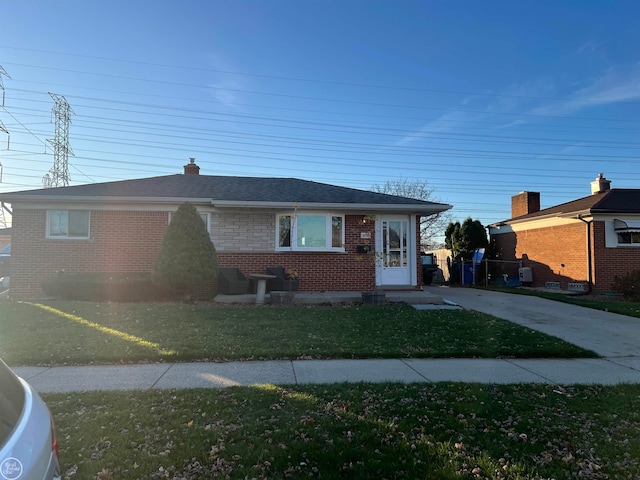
point(586, 242)
point(320, 230)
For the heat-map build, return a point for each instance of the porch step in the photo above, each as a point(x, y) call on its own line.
point(414, 297)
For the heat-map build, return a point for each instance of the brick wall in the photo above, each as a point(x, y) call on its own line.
point(128, 241)
point(556, 253)
point(318, 271)
point(610, 262)
point(229, 231)
point(120, 242)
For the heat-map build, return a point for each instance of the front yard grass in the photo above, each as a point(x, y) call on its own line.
point(359, 431)
point(613, 304)
point(75, 333)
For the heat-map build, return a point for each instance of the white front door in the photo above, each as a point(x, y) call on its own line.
point(395, 250)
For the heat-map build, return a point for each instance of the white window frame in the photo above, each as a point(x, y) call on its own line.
point(294, 232)
point(206, 218)
point(631, 227)
point(54, 236)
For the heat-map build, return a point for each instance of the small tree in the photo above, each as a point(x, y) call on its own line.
point(431, 226)
point(187, 257)
point(464, 239)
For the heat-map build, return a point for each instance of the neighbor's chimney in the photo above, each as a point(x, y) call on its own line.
point(191, 168)
point(600, 184)
point(525, 203)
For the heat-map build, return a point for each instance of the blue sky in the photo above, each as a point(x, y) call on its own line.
point(481, 99)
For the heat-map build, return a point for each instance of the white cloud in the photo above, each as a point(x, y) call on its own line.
point(611, 88)
point(225, 86)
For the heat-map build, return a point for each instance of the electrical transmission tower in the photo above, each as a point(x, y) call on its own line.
point(3, 72)
point(2, 127)
point(3, 221)
point(58, 176)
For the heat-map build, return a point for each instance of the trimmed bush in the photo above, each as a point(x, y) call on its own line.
point(110, 287)
point(628, 285)
point(187, 257)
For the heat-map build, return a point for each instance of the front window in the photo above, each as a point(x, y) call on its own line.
point(68, 224)
point(310, 232)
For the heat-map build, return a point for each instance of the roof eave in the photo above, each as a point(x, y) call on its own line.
point(99, 199)
point(426, 209)
point(414, 208)
point(515, 221)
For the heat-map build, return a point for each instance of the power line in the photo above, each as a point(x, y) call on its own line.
point(324, 99)
point(310, 80)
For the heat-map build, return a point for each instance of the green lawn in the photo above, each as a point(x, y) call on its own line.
point(66, 332)
point(605, 303)
point(360, 431)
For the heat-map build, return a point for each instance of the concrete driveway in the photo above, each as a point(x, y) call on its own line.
point(608, 334)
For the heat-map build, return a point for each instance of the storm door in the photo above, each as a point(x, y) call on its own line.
point(394, 251)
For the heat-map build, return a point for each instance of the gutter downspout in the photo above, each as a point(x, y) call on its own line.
point(589, 266)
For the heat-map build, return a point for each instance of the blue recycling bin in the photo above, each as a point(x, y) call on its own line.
point(467, 269)
point(467, 274)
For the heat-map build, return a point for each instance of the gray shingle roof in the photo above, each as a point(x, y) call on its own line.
point(223, 188)
point(616, 200)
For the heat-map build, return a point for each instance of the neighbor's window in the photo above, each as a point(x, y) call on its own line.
point(311, 232)
point(629, 238)
point(68, 223)
point(628, 232)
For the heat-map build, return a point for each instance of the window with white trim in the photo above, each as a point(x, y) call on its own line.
point(627, 232)
point(310, 232)
point(68, 223)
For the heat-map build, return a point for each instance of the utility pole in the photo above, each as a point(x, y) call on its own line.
point(61, 150)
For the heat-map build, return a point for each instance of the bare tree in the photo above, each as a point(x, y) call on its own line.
point(432, 227)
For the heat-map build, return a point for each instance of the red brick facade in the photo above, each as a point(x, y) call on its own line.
point(559, 254)
point(611, 262)
point(129, 241)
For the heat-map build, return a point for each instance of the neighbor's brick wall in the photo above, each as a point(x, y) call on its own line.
point(611, 262)
point(546, 250)
point(129, 241)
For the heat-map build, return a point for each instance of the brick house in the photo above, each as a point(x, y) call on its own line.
point(588, 241)
point(318, 229)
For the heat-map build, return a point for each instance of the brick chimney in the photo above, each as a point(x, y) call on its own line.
point(600, 184)
point(191, 168)
point(525, 203)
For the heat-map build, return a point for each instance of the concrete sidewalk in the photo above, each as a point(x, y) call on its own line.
point(297, 372)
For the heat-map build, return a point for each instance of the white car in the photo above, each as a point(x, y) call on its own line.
point(28, 445)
